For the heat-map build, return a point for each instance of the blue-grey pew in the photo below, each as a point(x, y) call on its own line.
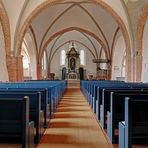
point(44, 99)
point(35, 112)
point(14, 122)
point(106, 94)
point(134, 129)
point(117, 112)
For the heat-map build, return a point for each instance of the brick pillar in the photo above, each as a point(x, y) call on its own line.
point(109, 71)
point(138, 67)
point(20, 76)
point(48, 72)
point(97, 67)
point(39, 72)
point(12, 68)
point(15, 68)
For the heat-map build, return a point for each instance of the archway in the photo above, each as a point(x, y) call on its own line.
point(30, 55)
point(3, 68)
point(139, 40)
point(100, 3)
point(144, 77)
point(4, 44)
point(117, 58)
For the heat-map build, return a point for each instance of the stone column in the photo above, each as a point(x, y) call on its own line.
point(12, 68)
point(15, 68)
point(109, 71)
point(20, 76)
point(138, 67)
point(39, 71)
point(48, 71)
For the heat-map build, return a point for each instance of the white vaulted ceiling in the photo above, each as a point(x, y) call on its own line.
point(85, 22)
point(65, 20)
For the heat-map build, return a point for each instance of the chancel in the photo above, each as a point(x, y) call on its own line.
point(73, 59)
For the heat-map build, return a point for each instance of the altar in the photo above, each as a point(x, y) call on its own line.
point(72, 75)
point(72, 69)
point(73, 61)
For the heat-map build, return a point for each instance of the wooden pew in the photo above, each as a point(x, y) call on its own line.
point(54, 91)
point(106, 94)
point(116, 112)
point(14, 121)
point(93, 92)
point(44, 100)
point(134, 129)
point(100, 93)
point(35, 112)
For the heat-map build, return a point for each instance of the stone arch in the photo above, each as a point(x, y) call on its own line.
point(68, 42)
point(6, 28)
point(79, 30)
point(117, 57)
point(4, 20)
point(32, 54)
point(103, 5)
point(139, 41)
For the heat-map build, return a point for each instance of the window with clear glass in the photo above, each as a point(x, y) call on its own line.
point(63, 57)
point(44, 63)
point(123, 65)
point(24, 53)
point(26, 60)
point(82, 57)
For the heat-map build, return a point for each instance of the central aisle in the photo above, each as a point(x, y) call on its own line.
point(74, 125)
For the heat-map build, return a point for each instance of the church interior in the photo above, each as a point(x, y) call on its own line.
point(64, 66)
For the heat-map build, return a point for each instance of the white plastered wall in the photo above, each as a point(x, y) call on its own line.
point(55, 66)
point(119, 9)
point(118, 55)
point(90, 66)
point(32, 53)
point(13, 9)
point(3, 68)
point(145, 54)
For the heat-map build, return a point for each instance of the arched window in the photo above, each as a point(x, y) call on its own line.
point(44, 65)
point(123, 65)
point(82, 57)
point(26, 59)
point(63, 57)
point(44, 62)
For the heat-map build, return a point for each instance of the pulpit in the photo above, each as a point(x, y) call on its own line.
point(101, 74)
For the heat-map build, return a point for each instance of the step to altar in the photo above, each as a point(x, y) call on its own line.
point(73, 83)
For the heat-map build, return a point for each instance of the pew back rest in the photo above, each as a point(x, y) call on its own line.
point(137, 111)
point(109, 86)
point(117, 107)
point(136, 122)
point(14, 115)
point(34, 101)
point(44, 93)
point(106, 94)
